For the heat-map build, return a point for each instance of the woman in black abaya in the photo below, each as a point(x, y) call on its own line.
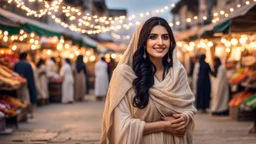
point(203, 85)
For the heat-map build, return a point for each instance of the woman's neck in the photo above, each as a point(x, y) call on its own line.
point(158, 63)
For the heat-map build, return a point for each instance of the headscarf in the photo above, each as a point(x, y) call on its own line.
point(217, 64)
point(173, 92)
point(80, 64)
point(68, 61)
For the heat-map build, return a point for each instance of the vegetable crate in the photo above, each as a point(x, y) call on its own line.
point(236, 113)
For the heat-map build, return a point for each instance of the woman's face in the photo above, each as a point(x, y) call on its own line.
point(158, 42)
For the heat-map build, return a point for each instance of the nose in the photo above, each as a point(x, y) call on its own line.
point(160, 41)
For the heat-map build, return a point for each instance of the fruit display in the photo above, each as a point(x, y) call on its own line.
point(10, 79)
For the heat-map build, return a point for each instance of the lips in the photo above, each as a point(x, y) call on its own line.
point(159, 49)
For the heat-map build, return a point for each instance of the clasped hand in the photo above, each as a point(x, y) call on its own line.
point(175, 124)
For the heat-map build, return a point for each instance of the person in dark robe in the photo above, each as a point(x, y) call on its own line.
point(203, 85)
point(80, 79)
point(24, 69)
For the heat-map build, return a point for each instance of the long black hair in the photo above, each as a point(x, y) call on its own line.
point(143, 67)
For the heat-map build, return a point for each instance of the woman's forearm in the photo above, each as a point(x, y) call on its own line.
point(154, 127)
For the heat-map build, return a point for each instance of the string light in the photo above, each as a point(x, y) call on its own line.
point(88, 20)
point(38, 13)
point(118, 37)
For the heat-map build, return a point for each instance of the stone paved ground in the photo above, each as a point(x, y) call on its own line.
point(80, 123)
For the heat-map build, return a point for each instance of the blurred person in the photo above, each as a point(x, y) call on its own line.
point(195, 74)
point(80, 79)
point(111, 67)
point(43, 92)
point(230, 71)
point(67, 81)
point(149, 100)
point(203, 91)
point(24, 69)
point(51, 69)
point(36, 78)
point(101, 79)
point(220, 90)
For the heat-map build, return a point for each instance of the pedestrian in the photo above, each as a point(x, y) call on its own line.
point(67, 81)
point(149, 99)
point(24, 69)
point(80, 79)
point(203, 91)
point(111, 67)
point(195, 74)
point(101, 79)
point(43, 92)
point(220, 90)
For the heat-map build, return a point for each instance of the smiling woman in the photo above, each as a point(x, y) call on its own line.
point(149, 99)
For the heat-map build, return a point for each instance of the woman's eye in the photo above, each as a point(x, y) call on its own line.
point(153, 37)
point(165, 37)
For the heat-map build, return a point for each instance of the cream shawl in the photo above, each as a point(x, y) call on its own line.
point(172, 94)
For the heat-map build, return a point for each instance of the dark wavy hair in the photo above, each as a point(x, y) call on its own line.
point(143, 67)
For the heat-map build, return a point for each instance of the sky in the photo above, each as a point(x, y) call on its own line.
point(139, 6)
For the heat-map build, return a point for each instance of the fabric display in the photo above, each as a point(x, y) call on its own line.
point(9, 105)
point(10, 79)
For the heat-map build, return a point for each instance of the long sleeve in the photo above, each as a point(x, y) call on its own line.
point(126, 130)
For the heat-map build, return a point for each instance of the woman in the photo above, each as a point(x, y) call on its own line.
point(42, 81)
point(101, 78)
point(80, 79)
point(203, 91)
point(67, 82)
point(220, 91)
point(149, 100)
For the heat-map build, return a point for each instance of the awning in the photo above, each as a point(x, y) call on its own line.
point(39, 28)
point(23, 20)
point(238, 12)
point(39, 31)
point(222, 27)
point(10, 26)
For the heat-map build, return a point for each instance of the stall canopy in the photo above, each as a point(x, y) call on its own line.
point(242, 19)
point(41, 29)
point(245, 23)
point(224, 24)
point(80, 42)
point(8, 25)
point(222, 27)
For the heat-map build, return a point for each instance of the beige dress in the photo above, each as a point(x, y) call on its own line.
point(43, 92)
point(79, 86)
point(125, 113)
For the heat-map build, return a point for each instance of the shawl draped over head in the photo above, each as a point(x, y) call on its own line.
point(173, 93)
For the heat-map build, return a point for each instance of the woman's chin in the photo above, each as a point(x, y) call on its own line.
point(158, 56)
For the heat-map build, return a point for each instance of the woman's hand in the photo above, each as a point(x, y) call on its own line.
point(175, 124)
